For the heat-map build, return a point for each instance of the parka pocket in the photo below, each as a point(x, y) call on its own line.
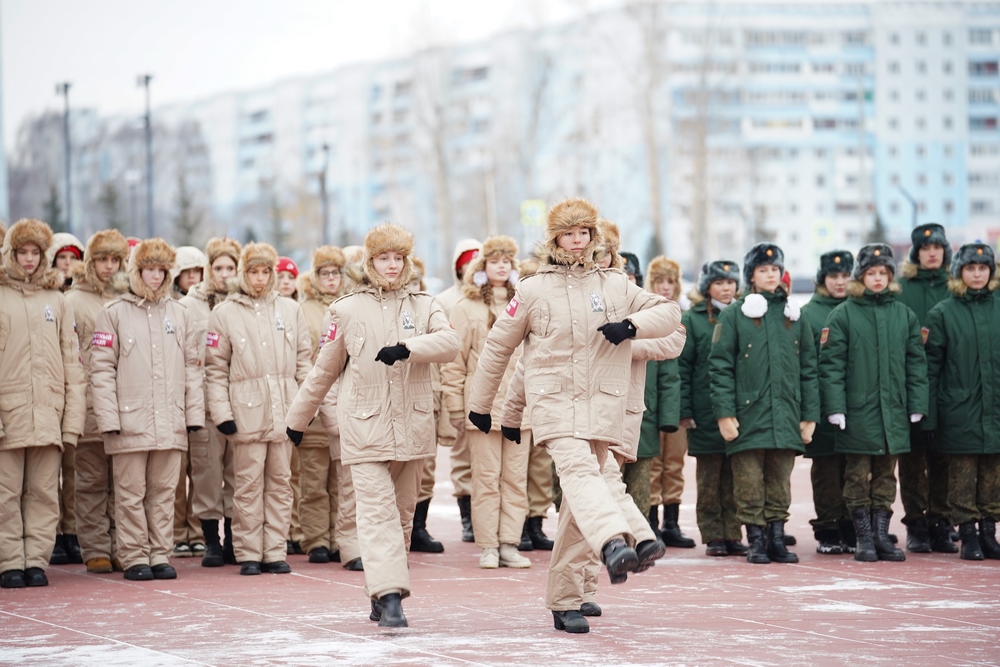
point(133, 411)
point(249, 410)
point(856, 399)
point(4, 330)
point(126, 344)
point(540, 319)
point(356, 341)
point(58, 398)
point(15, 412)
point(543, 398)
point(609, 409)
point(745, 399)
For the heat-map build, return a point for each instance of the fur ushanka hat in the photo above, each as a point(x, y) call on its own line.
point(387, 237)
point(720, 269)
point(151, 254)
point(253, 255)
point(104, 244)
point(835, 261)
point(925, 234)
point(872, 255)
point(475, 283)
point(974, 253)
point(761, 255)
point(564, 216)
point(663, 268)
point(25, 231)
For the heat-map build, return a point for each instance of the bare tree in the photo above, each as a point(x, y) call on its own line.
point(187, 218)
point(110, 204)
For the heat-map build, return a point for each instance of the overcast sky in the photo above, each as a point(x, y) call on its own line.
point(197, 48)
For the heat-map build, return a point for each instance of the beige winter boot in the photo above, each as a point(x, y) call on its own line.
point(490, 559)
point(511, 557)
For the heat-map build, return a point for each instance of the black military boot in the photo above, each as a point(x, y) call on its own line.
point(672, 535)
point(59, 555)
point(420, 539)
point(525, 543)
point(649, 552)
point(654, 519)
point(213, 549)
point(228, 555)
point(776, 549)
point(757, 550)
point(941, 538)
point(570, 621)
point(619, 559)
point(539, 540)
point(391, 611)
point(865, 539)
point(971, 550)
point(829, 543)
point(847, 536)
point(988, 538)
point(72, 545)
point(465, 509)
point(736, 548)
point(884, 547)
point(918, 538)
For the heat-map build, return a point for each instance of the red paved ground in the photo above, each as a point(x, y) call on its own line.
point(689, 609)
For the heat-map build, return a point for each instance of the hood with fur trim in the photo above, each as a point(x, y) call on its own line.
point(257, 254)
point(612, 244)
point(462, 247)
point(189, 257)
point(474, 284)
point(106, 243)
point(565, 215)
point(151, 253)
point(386, 237)
point(61, 241)
point(215, 248)
point(24, 231)
point(308, 283)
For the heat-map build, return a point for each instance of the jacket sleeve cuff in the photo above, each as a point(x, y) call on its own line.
point(69, 438)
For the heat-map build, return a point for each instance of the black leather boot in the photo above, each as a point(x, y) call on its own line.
point(776, 549)
point(865, 549)
point(59, 555)
point(465, 510)
point(672, 535)
point(525, 543)
point(847, 536)
point(884, 547)
point(228, 555)
point(420, 539)
point(736, 548)
point(649, 552)
point(391, 611)
point(971, 549)
point(73, 551)
point(619, 559)
point(988, 538)
point(539, 540)
point(654, 519)
point(757, 549)
point(918, 538)
point(213, 549)
point(829, 542)
point(570, 621)
point(941, 538)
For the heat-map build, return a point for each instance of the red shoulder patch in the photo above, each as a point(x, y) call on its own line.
point(102, 339)
point(825, 336)
point(212, 339)
point(924, 333)
point(331, 335)
point(512, 307)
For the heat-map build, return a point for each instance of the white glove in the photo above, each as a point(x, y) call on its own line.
point(838, 420)
point(915, 417)
point(688, 424)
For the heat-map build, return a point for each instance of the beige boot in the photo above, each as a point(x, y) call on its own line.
point(511, 557)
point(490, 559)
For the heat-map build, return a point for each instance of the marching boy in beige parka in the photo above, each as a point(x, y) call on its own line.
point(148, 395)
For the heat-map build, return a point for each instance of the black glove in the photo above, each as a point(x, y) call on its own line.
point(616, 332)
point(294, 436)
point(511, 433)
point(928, 439)
point(227, 428)
point(390, 354)
point(192, 429)
point(110, 432)
point(482, 422)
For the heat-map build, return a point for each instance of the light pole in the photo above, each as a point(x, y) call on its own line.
point(63, 89)
point(913, 203)
point(324, 203)
point(143, 81)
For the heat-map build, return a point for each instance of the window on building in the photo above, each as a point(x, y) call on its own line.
point(947, 178)
point(984, 150)
point(921, 179)
point(948, 151)
point(921, 123)
point(894, 95)
point(921, 151)
point(377, 118)
point(984, 68)
point(402, 88)
point(949, 206)
point(823, 68)
point(980, 36)
point(894, 38)
point(921, 67)
point(946, 38)
point(376, 93)
point(946, 67)
point(855, 69)
point(893, 67)
point(820, 181)
point(894, 207)
point(980, 96)
point(921, 95)
point(983, 124)
point(981, 206)
point(922, 206)
point(856, 37)
point(948, 94)
point(946, 122)
point(893, 151)
point(893, 124)
point(820, 153)
point(922, 39)
point(894, 179)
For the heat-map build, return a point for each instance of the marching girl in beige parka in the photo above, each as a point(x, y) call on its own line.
point(258, 351)
point(572, 318)
point(381, 342)
point(97, 280)
point(42, 402)
point(210, 452)
point(499, 466)
point(148, 394)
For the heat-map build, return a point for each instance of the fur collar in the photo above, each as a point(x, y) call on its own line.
point(856, 288)
point(15, 276)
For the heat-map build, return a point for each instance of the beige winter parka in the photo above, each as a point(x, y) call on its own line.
point(42, 385)
point(385, 413)
point(144, 370)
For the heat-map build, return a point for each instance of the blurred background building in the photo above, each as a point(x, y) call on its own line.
point(699, 127)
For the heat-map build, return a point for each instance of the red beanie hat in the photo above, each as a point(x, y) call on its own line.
point(71, 248)
point(286, 264)
point(465, 258)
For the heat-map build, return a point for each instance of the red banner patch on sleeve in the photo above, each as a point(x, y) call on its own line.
point(212, 339)
point(512, 307)
point(825, 336)
point(331, 335)
point(102, 339)
point(924, 333)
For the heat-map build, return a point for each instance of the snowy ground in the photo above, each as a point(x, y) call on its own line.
point(688, 610)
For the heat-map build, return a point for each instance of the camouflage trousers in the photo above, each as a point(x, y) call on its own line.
point(762, 485)
point(636, 478)
point(827, 475)
point(716, 507)
point(974, 487)
point(923, 485)
point(869, 482)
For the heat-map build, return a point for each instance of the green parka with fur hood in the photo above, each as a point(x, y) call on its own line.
point(873, 371)
point(696, 393)
point(815, 313)
point(963, 360)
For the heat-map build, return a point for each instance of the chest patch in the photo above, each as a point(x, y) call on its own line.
point(407, 320)
point(595, 303)
point(212, 339)
point(824, 336)
point(511, 308)
point(102, 339)
point(49, 316)
point(924, 333)
point(279, 323)
point(167, 326)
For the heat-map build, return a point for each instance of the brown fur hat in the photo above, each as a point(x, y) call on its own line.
point(612, 243)
point(3, 232)
point(219, 246)
point(328, 255)
point(494, 246)
point(151, 253)
point(29, 230)
point(564, 216)
point(308, 282)
point(662, 268)
point(387, 237)
point(257, 254)
point(103, 244)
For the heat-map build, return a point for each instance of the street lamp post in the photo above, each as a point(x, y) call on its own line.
point(913, 203)
point(323, 200)
point(63, 89)
point(143, 81)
